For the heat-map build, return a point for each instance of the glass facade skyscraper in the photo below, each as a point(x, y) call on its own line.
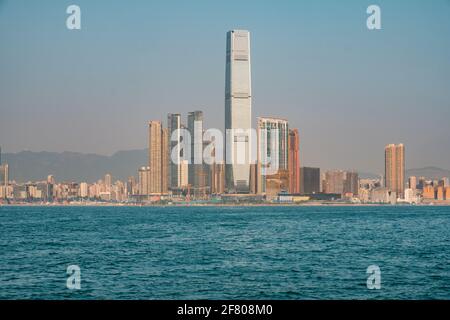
point(174, 167)
point(273, 152)
point(238, 107)
point(195, 127)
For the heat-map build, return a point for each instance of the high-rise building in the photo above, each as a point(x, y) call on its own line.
point(155, 157)
point(50, 188)
point(4, 179)
point(143, 177)
point(216, 174)
point(440, 193)
point(294, 161)
point(51, 179)
point(4, 175)
point(334, 182)
point(422, 183)
point(218, 178)
point(341, 182)
point(184, 173)
point(447, 193)
point(272, 149)
point(174, 150)
point(310, 180)
point(196, 168)
point(165, 159)
point(412, 183)
point(395, 168)
point(84, 190)
point(429, 192)
point(205, 173)
point(238, 110)
point(253, 178)
point(132, 186)
point(351, 184)
point(108, 182)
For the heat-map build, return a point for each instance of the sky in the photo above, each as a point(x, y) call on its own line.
point(349, 90)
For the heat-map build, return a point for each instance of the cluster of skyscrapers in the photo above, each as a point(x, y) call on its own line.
point(276, 167)
point(267, 162)
point(256, 165)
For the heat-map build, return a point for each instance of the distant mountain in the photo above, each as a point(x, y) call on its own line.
point(429, 173)
point(368, 175)
point(72, 166)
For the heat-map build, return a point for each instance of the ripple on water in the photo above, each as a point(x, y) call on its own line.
point(225, 252)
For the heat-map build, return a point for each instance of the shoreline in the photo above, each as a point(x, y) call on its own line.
point(311, 204)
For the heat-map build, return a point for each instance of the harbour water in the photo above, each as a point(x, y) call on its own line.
point(318, 252)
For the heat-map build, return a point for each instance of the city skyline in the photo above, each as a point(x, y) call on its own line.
point(324, 90)
point(228, 159)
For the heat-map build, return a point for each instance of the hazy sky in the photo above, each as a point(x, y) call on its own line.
point(350, 91)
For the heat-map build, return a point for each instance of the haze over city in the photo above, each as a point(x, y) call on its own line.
point(350, 91)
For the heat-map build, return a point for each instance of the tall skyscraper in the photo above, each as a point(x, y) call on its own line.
point(294, 161)
point(196, 168)
point(238, 111)
point(4, 172)
point(174, 167)
point(155, 157)
point(272, 166)
point(4, 180)
point(165, 159)
point(310, 180)
point(395, 168)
